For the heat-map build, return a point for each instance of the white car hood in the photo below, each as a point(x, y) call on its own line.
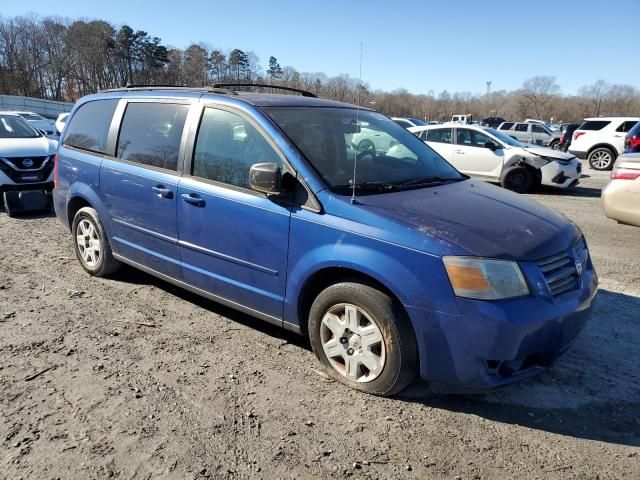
point(548, 152)
point(27, 147)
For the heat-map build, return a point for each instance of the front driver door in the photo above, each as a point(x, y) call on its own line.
point(472, 157)
point(233, 240)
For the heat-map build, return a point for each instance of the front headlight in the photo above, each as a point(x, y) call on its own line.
point(485, 279)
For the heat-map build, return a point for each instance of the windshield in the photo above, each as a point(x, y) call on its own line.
point(12, 126)
point(417, 123)
point(388, 156)
point(504, 138)
point(31, 116)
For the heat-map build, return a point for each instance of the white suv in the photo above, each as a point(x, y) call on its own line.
point(601, 140)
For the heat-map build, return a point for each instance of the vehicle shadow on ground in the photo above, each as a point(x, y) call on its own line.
point(137, 277)
point(585, 192)
point(593, 392)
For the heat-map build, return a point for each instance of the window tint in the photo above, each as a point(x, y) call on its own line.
point(471, 138)
point(439, 135)
point(626, 126)
point(522, 127)
point(150, 134)
point(403, 123)
point(505, 126)
point(538, 128)
point(89, 126)
point(594, 125)
point(227, 146)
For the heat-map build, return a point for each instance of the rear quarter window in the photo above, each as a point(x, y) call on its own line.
point(594, 125)
point(88, 129)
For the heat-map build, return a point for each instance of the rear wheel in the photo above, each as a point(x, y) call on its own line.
point(91, 244)
point(601, 159)
point(363, 339)
point(518, 179)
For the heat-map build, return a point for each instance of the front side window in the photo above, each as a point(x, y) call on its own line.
point(439, 135)
point(151, 132)
point(522, 127)
point(331, 139)
point(471, 138)
point(538, 129)
point(506, 126)
point(13, 126)
point(227, 146)
point(89, 127)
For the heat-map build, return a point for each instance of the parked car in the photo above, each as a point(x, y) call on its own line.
point(408, 122)
point(620, 196)
point(491, 155)
point(394, 267)
point(492, 122)
point(565, 137)
point(61, 120)
point(632, 140)
point(532, 133)
point(464, 119)
point(45, 126)
point(370, 139)
point(600, 140)
point(26, 158)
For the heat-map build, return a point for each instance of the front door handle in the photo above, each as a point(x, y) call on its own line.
point(193, 199)
point(162, 191)
point(459, 152)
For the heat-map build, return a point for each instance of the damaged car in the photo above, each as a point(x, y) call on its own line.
point(491, 155)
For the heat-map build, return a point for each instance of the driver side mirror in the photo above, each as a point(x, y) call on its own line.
point(265, 178)
point(491, 146)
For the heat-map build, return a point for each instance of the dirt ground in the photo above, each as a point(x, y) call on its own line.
point(131, 378)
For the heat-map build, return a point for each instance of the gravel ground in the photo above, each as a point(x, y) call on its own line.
point(131, 378)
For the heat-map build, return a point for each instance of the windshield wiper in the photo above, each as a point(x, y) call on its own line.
point(368, 186)
point(433, 180)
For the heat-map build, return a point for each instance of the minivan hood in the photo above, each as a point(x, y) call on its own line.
point(482, 219)
point(549, 152)
point(27, 147)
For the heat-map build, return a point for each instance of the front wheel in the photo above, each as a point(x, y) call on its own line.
point(518, 179)
point(91, 244)
point(555, 145)
point(363, 338)
point(601, 159)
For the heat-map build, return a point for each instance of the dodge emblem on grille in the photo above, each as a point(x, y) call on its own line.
point(27, 162)
point(578, 267)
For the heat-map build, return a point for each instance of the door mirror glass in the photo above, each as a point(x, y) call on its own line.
point(265, 178)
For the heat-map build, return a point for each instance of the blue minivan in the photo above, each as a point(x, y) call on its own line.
point(393, 263)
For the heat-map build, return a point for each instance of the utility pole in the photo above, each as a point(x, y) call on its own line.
point(486, 102)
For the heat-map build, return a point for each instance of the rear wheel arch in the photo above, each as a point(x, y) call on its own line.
point(604, 145)
point(75, 204)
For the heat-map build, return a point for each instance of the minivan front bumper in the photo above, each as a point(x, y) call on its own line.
point(495, 343)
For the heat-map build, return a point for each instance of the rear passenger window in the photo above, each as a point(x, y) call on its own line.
point(439, 135)
point(227, 146)
point(594, 125)
point(89, 126)
point(522, 127)
point(151, 132)
point(626, 126)
point(505, 126)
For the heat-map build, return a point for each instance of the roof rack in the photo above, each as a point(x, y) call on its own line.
point(304, 93)
point(135, 87)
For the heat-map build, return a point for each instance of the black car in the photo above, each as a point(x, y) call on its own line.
point(632, 140)
point(567, 133)
point(492, 122)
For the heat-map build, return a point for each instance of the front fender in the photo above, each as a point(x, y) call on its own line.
point(417, 279)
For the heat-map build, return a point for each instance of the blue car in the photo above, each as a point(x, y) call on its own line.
point(393, 263)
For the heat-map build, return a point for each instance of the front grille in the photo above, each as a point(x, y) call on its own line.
point(18, 173)
point(561, 270)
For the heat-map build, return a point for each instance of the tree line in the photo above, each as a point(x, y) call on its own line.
point(62, 59)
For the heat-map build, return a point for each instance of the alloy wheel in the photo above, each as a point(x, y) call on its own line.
point(88, 242)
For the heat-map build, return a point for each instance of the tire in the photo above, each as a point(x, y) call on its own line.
point(7, 205)
point(554, 145)
point(518, 179)
point(601, 159)
point(95, 253)
point(390, 346)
